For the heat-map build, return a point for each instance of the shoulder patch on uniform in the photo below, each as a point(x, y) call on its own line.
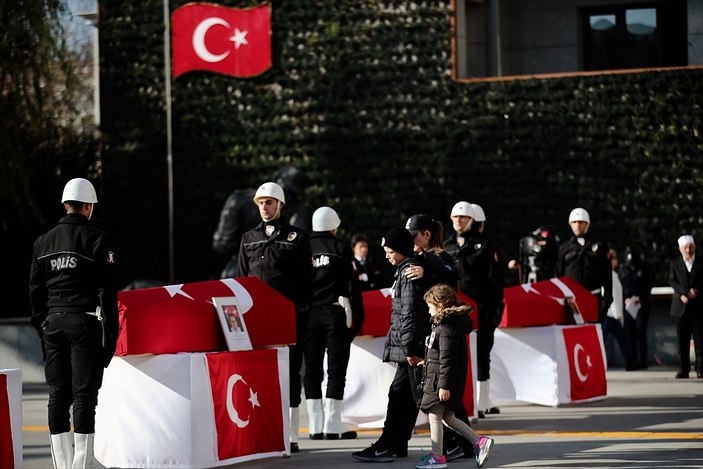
point(292, 235)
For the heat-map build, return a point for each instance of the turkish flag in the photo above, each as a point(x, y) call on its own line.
point(246, 394)
point(586, 364)
point(182, 318)
point(224, 40)
point(7, 457)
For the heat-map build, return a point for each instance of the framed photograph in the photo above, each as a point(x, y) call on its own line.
point(573, 309)
point(233, 324)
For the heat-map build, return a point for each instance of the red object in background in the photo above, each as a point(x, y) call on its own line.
point(538, 304)
point(7, 455)
point(182, 318)
point(377, 311)
point(230, 41)
point(247, 402)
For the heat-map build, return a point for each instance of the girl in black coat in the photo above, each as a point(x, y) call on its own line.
point(445, 370)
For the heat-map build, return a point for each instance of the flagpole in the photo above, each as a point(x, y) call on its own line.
point(169, 136)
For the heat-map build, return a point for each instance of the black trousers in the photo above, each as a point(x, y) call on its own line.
point(296, 357)
point(327, 331)
point(73, 369)
point(404, 395)
point(484, 345)
point(636, 331)
point(690, 325)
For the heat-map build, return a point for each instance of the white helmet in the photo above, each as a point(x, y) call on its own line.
point(325, 219)
point(462, 209)
point(579, 214)
point(80, 190)
point(270, 189)
point(478, 211)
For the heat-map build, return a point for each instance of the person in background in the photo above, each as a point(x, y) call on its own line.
point(336, 317)
point(444, 378)
point(74, 310)
point(478, 263)
point(404, 346)
point(365, 268)
point(613, 324)
point(686, 278)
point(636, 287)
point(279, 254)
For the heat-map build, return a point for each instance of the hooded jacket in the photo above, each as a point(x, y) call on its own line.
point(447, 358)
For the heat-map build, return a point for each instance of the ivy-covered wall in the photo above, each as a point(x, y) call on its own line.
point(360, 97)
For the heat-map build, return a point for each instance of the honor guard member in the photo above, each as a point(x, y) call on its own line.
point(462, 217)
point(478, 265)
point(238, 216)
point(586, 261)
point(336, 317)
point(279, 254)
point(74, 309)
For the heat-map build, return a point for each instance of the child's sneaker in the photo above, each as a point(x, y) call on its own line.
point(482, 448)
point(432, 461)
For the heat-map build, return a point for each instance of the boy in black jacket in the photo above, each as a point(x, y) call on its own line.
point(405, 345)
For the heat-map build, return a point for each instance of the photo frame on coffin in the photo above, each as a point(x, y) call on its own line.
point(233, 324)
point(572, 310)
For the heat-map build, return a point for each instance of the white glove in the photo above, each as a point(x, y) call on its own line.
point(346, 304)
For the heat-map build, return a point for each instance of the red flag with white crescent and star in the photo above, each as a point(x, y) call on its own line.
point(7, 457)
point(246, 394)
point(230, 41)
point(586, 365)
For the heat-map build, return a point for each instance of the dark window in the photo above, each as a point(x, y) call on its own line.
point(622, 37)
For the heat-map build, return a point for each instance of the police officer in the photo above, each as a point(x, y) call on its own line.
point(238, 216)
point(279, 254)
point(336, 317)
point(586, 261)
point(71, 292)
point(478, 264)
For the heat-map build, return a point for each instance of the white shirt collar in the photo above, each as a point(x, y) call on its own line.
point(689, 264)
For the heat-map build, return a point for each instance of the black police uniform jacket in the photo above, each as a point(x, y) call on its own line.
point(588, 265)
point(333, 274)
point(410, 319)
point(478, 266)
point(447, 358)
point(283, 260)
point(441, 268)
point(72, 271)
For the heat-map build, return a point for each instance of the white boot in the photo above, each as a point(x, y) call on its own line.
point(84, 457)
point(294, 428)
point(316, 418)
point(334, 428)
point(484, 398)
point(62, 450)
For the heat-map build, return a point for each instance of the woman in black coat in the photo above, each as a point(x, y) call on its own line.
point(445, 369)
